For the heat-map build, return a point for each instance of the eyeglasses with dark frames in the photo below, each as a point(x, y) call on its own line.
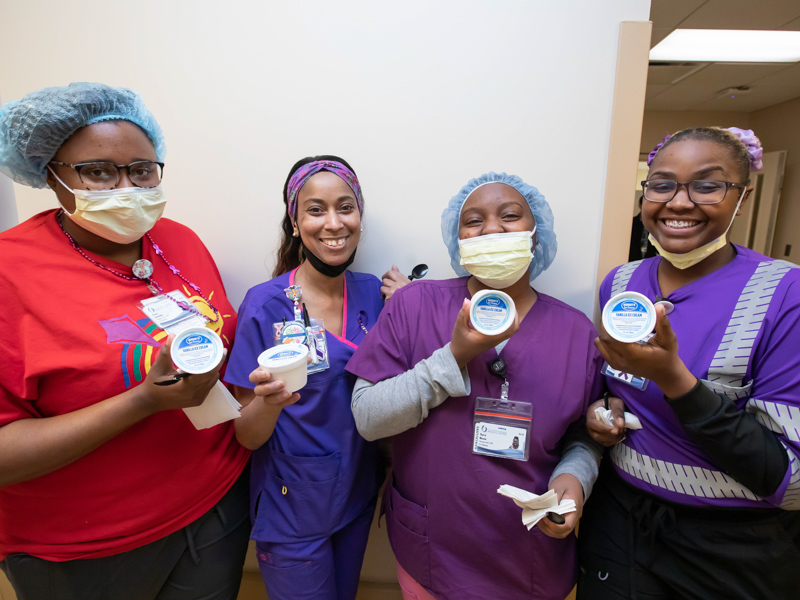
point(700, 191)
point(104, 175)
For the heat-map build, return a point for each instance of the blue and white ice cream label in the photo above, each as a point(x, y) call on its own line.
point(491, 314)
point(197, 351)
point(629, 317)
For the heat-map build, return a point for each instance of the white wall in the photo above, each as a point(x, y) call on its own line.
point(418, 96)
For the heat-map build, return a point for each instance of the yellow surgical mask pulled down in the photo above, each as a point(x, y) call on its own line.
point(691, 258)
point(497, 260)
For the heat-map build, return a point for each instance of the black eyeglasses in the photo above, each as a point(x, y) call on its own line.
point(106, 175)
point(701, 191)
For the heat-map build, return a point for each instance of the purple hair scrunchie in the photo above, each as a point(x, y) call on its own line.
point(308, 170)
point(652, 154)
point(753, 144)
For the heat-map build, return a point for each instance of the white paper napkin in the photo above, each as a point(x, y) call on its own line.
point(536, 507)
point(604, 415)
point(218, 407)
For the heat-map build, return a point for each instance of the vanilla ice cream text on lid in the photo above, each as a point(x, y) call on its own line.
point(629, 317)
point(197, 350)
point(492, 312)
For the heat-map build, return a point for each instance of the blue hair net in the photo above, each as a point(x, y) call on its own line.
point(546, 244)
point(34, 128)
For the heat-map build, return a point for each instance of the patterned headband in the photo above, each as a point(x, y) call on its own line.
point(746, 136)
point(304, 173)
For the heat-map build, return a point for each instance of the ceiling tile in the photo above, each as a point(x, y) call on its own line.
point(742, 14)
point(655, 90)
point(668, 13)
point(792, 25)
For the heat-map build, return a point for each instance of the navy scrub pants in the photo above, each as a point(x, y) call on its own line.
point(634, 545)
point(202, 561)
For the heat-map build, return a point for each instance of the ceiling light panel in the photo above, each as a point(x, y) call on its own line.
point(724, 45)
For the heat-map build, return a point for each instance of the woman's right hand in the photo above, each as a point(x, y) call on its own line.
point(272, 391)
point(607, 435)
point(189, 391)
point(467, 343)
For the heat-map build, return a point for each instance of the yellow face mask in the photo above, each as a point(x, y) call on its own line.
point(119, 215)
point(691, 258)
point(497, 260)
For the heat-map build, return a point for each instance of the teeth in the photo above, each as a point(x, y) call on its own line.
point(337, 243)
point(680, 224)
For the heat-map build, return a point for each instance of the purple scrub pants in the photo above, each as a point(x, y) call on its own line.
point(326, 568)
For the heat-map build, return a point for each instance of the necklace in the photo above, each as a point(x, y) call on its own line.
point(143, 269)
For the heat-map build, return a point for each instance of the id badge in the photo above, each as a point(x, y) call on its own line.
point(502, 428)
point(173, 314)
point(640, 383)
point(294, 332)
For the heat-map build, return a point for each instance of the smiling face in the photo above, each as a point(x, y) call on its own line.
point(495, 208)
point(120, 142)
point(328, 219)
point(680, 225)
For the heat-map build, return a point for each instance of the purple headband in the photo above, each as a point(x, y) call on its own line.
point(304, 173)
point(746, 136)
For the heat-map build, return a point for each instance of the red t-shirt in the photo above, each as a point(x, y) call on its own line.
point(71, 335)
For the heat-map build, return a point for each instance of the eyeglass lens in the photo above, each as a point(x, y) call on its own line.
point(700, 191)
point(105, 175)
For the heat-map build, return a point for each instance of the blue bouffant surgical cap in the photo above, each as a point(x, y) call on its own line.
point(34, 128)
point(546, 245)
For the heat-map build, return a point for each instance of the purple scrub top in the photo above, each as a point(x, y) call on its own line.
point(737, 327)
point(448, 526)
point(316, 473)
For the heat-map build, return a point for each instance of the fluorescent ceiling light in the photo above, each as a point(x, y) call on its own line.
point(727, 45)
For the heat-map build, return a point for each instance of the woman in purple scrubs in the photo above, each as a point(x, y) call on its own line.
point(703, 501)
point(314, 479)
point(423, 367)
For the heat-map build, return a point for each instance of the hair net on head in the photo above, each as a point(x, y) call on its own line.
point(546, 245)
point(34, 128)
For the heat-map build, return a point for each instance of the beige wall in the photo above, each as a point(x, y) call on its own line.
point(779, 129)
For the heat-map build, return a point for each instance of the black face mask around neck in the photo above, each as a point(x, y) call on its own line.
point(325, 268)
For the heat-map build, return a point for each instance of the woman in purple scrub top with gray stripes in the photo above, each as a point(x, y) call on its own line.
point(702, 501)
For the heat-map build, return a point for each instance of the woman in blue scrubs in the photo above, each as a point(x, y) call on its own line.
point(314, 478)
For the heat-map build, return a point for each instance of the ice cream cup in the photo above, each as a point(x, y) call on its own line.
point(197, 350)
point(629, 317)
point(287, 363)
point(492, 312)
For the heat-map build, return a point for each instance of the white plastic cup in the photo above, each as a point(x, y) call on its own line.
point(629, 317)
point(287, 363)
point(197, 350)
point(492, 312)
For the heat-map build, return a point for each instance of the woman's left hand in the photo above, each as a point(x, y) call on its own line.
point(566, 486)
point(392, 281)
point(657, 360)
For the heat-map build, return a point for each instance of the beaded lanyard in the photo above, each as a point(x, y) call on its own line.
point(143, 269)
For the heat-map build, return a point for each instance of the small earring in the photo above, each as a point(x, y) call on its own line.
point(362, 230)
point(295, 233)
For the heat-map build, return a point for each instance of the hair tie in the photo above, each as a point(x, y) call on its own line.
point(753, 145)
point(304, 173)
point(652, 154)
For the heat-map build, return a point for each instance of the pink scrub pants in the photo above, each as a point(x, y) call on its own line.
point(410, 588)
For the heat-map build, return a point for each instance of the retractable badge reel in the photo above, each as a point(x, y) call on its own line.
point(502, 427)
point(303, 330)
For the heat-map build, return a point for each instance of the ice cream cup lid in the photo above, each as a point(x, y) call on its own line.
point(284, 357)
point(629, 317)
point(197, 350)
